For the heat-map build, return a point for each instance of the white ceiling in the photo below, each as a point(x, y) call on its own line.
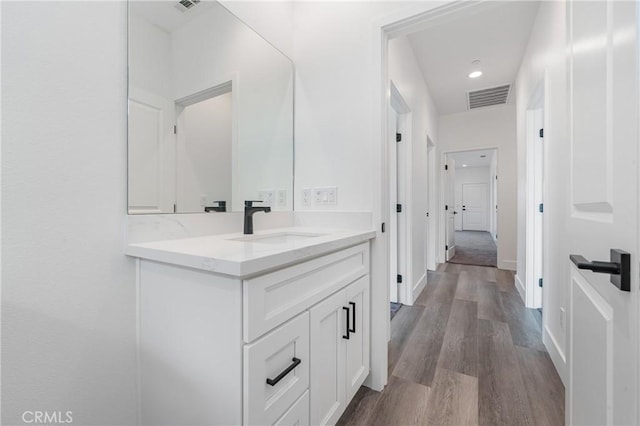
point(473, 158)
point(164, 14)
point(496, 33)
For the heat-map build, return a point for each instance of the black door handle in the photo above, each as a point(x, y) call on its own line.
point(273, 382)
point(619, 267)
point(346, 336)
point(353, 317)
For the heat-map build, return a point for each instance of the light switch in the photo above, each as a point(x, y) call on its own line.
point(306, 197)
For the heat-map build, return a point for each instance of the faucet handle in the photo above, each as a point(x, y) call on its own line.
point(249, 203)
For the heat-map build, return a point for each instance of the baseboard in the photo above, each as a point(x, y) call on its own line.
point(417, 289)
point(509, 265)
point(520, 287)
point(557, 356)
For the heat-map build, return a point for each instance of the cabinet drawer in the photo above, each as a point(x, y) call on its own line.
point(282, 354)
point(298, 415)
point(271, 299)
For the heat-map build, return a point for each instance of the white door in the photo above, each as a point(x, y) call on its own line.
point(327, 328)
point(357, 351)
point(393, 200)
point(450, 203)
point(151, 153)
point(474, 206)
point(603, 211)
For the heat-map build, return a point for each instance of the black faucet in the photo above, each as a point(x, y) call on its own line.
point(249, 210)
point(221, 207)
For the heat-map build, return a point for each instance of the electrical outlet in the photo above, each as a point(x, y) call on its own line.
point(317, 196)
point(306, 197)
point(563, 318)
point(282, 197)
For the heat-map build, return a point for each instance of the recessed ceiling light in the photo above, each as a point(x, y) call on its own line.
point(464, 165)
point(475, 69)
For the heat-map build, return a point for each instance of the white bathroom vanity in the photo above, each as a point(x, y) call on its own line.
point(266, 329)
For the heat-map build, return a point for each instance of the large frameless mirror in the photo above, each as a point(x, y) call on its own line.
point(210, 111)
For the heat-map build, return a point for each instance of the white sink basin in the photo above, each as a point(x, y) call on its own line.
point(279, 238)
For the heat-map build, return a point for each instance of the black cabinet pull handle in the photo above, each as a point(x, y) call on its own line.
point(273, 382)
point(619, 267)
point(353, 317)
point(346, 336)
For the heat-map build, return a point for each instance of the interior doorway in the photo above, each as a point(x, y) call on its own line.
point(471, 207)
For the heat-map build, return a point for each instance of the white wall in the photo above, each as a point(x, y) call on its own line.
point(273, 20)
point(545, 59)
point(490, 128)
point(407, 77)
point(335, 134)
point(465, 175)
point(68, 292)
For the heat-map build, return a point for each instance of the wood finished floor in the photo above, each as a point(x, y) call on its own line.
point(467, 353)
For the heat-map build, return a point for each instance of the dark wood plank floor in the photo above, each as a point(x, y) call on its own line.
point(467, 353)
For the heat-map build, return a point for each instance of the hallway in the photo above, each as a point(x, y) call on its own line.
point(468, 352)
point(475, 248)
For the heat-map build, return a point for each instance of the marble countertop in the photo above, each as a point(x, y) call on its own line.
point(241, 255)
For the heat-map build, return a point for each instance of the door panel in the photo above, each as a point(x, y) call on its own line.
point(393, 200)
point(151, 153)
point(592, 325)
point(603, 321)
point(357, 347)
point(327, 326)
point(450, 201)
point(474, 206)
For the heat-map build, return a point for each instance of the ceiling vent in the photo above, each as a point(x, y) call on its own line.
point(490, 96)
point(184, 5)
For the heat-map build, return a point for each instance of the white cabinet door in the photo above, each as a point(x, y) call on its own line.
point(328, 326)
point(603, 181)
point(357, 352)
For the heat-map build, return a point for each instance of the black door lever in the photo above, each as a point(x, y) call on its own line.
point(619, 267)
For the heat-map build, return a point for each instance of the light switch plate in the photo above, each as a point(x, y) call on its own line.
point(306, 197)
point(282, 197)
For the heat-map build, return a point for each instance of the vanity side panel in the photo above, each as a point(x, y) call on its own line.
point(190, 346)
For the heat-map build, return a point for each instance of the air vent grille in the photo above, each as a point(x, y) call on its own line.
point(184, 5)
point(490, 96)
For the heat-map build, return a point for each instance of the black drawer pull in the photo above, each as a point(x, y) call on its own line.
point(346, 336)
point(273, 382)
point(353, 318)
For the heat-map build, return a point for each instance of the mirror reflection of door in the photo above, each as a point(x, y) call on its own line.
point(204, 153)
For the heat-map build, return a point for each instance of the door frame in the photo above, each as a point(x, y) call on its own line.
point(433, 206)
point(443, 224)
point(401, 233)
point(535, 248)
point(412, 18)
